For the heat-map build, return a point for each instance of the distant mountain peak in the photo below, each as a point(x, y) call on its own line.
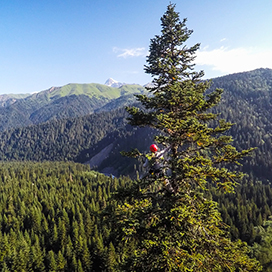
point(149, 85)
point(113, 83)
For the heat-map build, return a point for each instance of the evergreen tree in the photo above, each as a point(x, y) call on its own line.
point(263, 248)
point(5, 268)
point(111, 258)
point(174, 227)
point(52, 265)
point(37, 258)
point(79, 267)
point(61, 262)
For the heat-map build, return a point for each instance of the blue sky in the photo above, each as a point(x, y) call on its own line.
point(53, 43)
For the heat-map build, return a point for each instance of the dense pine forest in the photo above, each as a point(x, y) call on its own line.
point(51, 217)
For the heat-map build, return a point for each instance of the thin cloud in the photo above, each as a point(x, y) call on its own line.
point(235, 60)
point(132, 52)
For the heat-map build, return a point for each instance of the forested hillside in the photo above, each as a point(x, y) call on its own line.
point(247, 102)
point(59, 140)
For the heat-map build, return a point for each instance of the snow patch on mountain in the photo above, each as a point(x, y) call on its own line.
point(149, 85)
point(116, 84)
point(113, 83)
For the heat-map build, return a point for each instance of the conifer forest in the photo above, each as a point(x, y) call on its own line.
point(207, 207)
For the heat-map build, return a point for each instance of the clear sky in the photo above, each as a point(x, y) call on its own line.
point(56, 42)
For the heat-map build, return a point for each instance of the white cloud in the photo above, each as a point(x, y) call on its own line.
point(234, 60)
point(132, 52)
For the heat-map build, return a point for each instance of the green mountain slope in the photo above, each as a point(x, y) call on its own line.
point(91, 90)
point(64, 102)
point(9, 99)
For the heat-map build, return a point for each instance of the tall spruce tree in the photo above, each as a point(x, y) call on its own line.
point(179, 230)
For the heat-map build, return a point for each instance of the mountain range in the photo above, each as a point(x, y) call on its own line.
point(72, 100)
point(87, 123)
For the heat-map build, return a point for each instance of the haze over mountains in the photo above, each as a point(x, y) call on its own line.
point(87, 123)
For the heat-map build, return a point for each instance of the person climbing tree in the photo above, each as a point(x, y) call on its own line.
point(184, 230)
point(154, 163)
